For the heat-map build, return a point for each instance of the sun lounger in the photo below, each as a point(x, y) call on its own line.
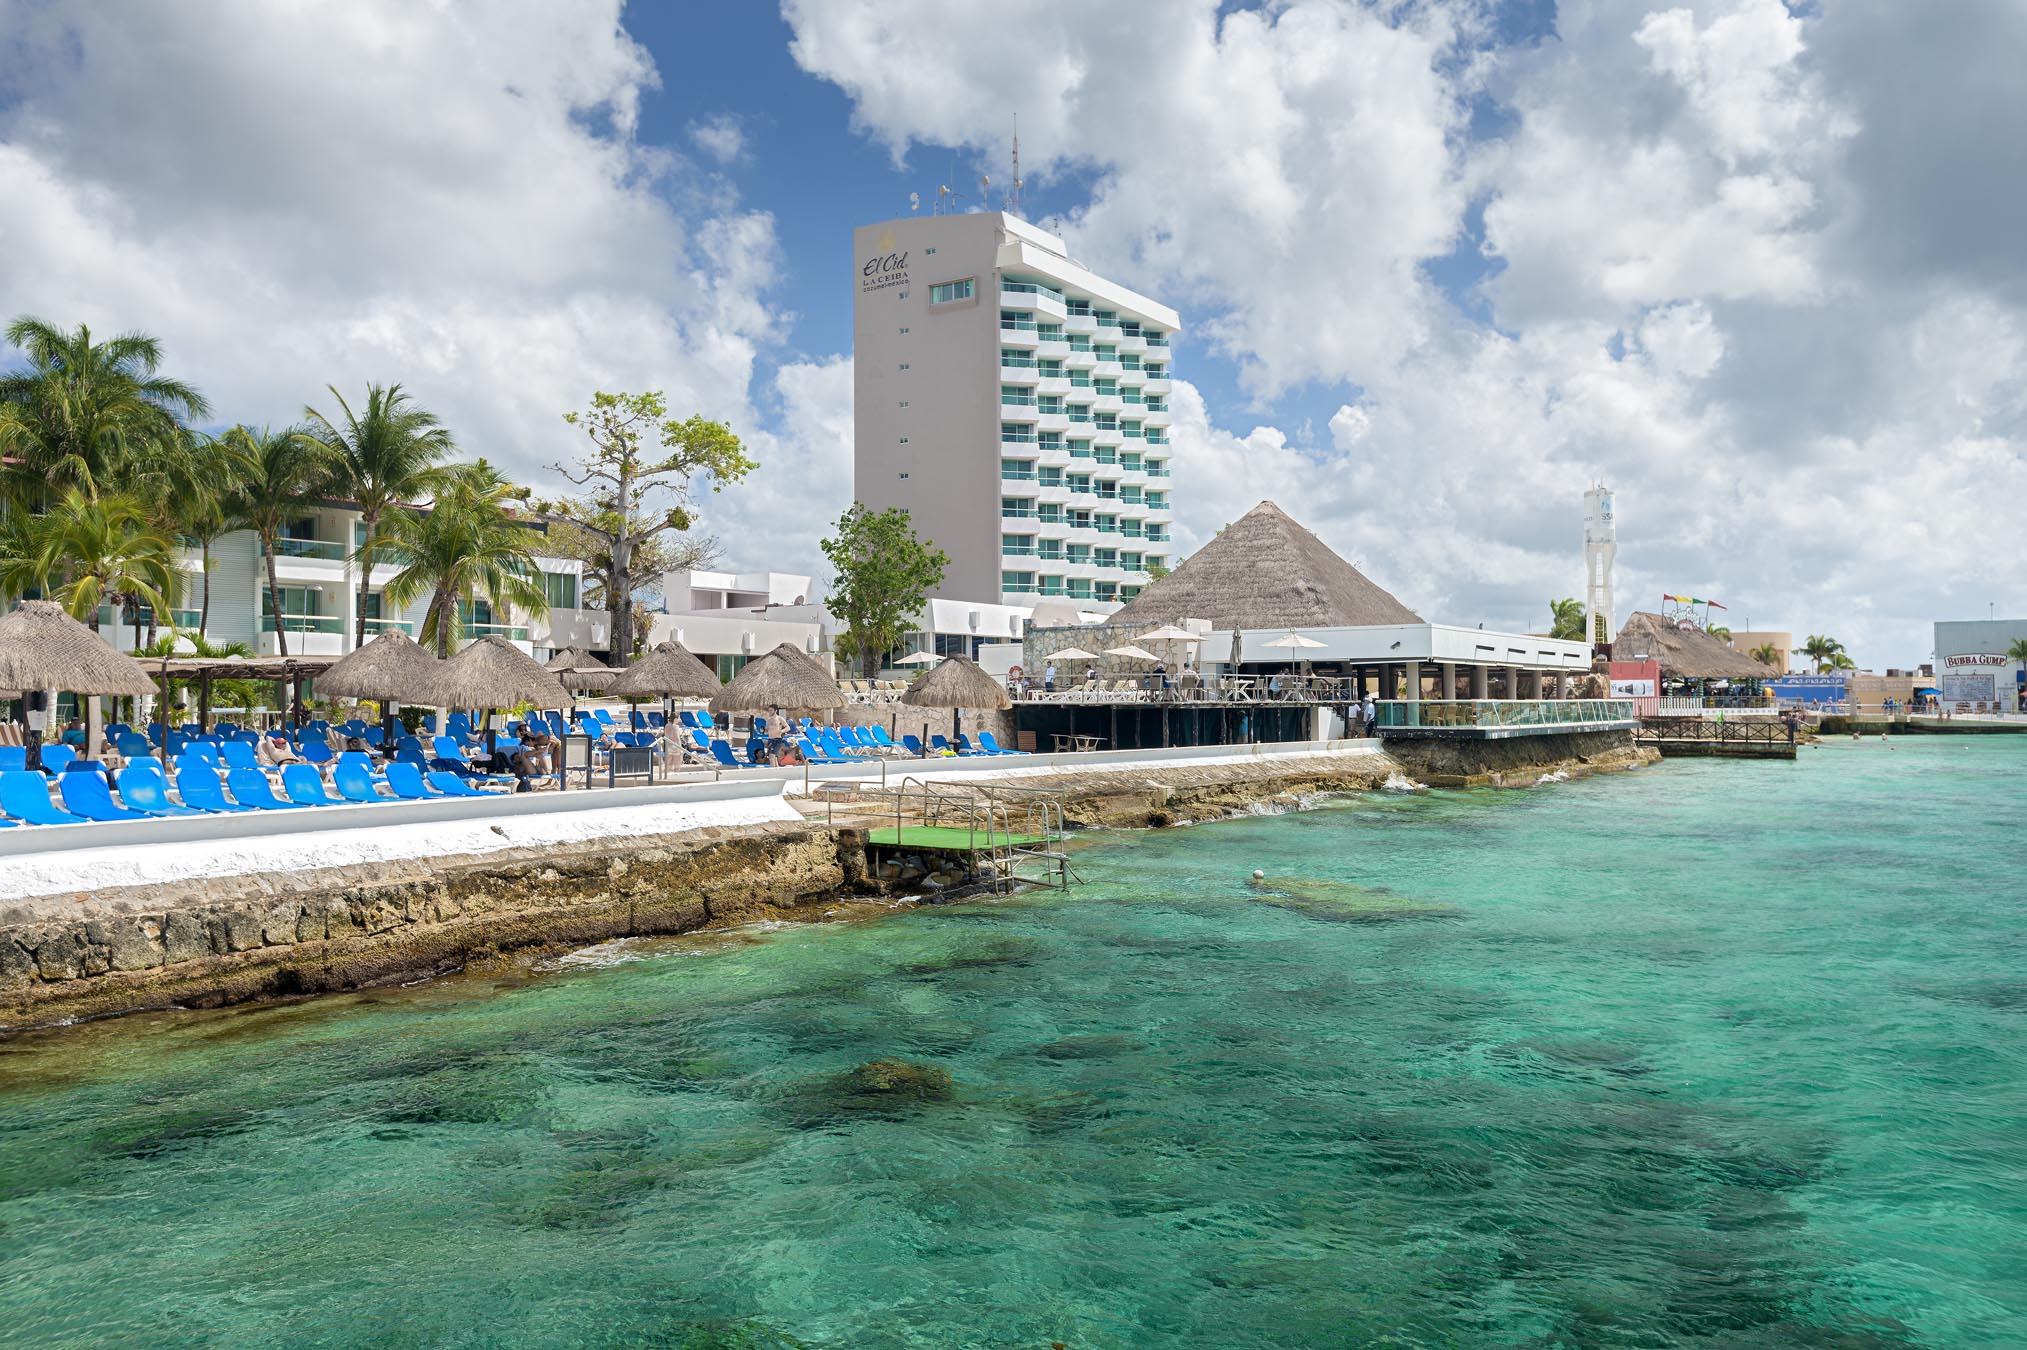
point(993, 747)
point(355, 782)
point(251, 788)
point(145, 789)
point(304, 785)
point(87, 795)
point(913, 744)
point(239, 755)
point(24, 795)
point(722, 752)
point(405, 780)
point(13, 758)
point(56, 758)
point(450, 785)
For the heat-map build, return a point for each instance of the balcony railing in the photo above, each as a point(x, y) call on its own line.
point(1016, 513)
point(1017, 362)
point(1017, 550)
point(304, 623)
point(1155, 438)
point(1016, 326)
point(1016, 438)
point(390, 626)
point(1156, 340)
point(1158, 470)
point(1157, 405)
point(511, 632)
point(309, 548)
point(1018, 475)
point(1017, 400)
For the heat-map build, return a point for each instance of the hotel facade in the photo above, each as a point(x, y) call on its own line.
point(1015, 404)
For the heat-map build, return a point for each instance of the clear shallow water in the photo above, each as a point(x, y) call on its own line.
point(1713, 1054)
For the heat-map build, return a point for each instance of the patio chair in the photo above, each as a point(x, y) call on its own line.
point(993, 747)
point(144, 789)
point(86, 794)
point(24, 795)
point(722, 752)
point(355, 781)
point(405, 780)
point(251, 788)
point(304, 785)
point(57, 757)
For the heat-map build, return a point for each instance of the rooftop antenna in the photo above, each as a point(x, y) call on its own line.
point(1013, 196)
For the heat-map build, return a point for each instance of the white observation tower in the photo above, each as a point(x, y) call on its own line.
point(1601, 545)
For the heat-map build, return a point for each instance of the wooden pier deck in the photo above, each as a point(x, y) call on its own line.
point(1734, 738)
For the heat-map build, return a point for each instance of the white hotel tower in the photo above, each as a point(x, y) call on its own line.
point(1015, 403)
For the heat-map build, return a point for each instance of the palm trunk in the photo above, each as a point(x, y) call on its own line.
point(204, 609)
point(274, 601)
point(369, 519)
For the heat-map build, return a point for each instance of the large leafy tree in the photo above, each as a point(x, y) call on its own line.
point(1824, 652)
point(884, 574)
point(1566, 620)
point(388, 453)
point(85, 552)
point(469, 544)
point(83, 414)
point(200, 479)
point(274, 474)
point(636, 476)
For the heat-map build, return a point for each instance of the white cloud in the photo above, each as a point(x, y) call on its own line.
point(1709, 283)
point(722, 137)
point(446, 196)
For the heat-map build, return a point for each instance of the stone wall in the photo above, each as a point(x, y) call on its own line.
point(237, 938)
point(1517, 761)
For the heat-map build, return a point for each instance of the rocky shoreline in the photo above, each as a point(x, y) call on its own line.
point(240, 938)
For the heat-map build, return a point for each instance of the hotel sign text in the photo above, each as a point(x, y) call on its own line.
point(888, 269)
point(1976, 659)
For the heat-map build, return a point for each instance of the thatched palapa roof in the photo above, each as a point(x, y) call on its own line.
point(41, 647)
point(666, 672)
point(1685, 653)
point(784, 678)
point(1265, 571)
point(957, 682)
point(577, 668)
point(493, 673)
point(391, 666)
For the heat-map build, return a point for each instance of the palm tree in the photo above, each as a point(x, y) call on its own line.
point(1720, 632)
point(200, 498)
point(1823, 651)
point(83, 414)
point(384, 457)
point(273, 474)
point(91, 551)
point(2018, 651)
point(1567, 620)
point(468, 544)
point(1767, 654)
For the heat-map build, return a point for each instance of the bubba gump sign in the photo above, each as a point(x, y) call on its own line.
point(1977, 659)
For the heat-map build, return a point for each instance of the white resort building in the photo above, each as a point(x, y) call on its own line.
point(1015, 403)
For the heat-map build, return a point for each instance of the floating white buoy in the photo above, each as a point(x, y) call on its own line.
point(1258, 875)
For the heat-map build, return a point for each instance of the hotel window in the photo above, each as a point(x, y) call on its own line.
point(904, 332)
point(904, 440)
point(944, 292)
point(1050, 440)
point(1105, 590)
point(1079, 553)
point(928, 252)
point(904, 365)
point(560, 590)
point(1105, 557)
point(904, 402)
point(1049, 513)
point(902, 296)
point(1130, 561)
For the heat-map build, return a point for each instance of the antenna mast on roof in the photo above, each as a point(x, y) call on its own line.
point(1013, 196)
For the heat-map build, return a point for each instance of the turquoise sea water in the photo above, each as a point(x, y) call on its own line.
point(1711, 1054)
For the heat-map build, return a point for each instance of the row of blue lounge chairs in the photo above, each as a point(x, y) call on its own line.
point(200, 787)
point(840, 745)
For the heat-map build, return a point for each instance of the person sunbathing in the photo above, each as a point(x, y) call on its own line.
point(274, 751)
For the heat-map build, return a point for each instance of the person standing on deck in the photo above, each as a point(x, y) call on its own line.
point(1369, 713)
point(1049, 678)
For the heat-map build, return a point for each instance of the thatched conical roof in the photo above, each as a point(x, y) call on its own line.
point(391, 666)
point(1265, 571)
point(666, 672)
point(493, 673)
point(576, 668)
point(957, 682)
point(784, 678)
point(41, 647)
point(1685, 653)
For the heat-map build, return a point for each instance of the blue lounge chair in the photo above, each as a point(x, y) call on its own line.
point(450, 785)
point(404, 780)
point(87, 795)
point(305, 786)
point(943, 743)
point(355, 781)
point(913, 744)
point(24, 795)
point(146, 762)
point(315, 751)
point(251, 788)
point(13, 758)
point(993, 747)
point(722, 752)
point(131, 746)
point(882, 739)
point(701, 741)
point(198, 786)
point(56, 758)
point(145, 789)
point(239, 755)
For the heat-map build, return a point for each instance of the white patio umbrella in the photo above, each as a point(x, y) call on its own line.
point(918, 659)
point(1293, 642)
point(1170, 633)
point(1073, 654)
point(1132, 653)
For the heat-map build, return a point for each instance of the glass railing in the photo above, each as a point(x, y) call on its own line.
point(1017, 400)
point(1132, 397)
point(1049, 407)
point(1155, 439)
point(1156, 372)
point(1079, 343)
point(1131, 530)
point(1015, 513)
point(1079, 593)
point(1017, 588)
point(1080, 381)
point(304, 623)
point(1078, 560)
point(1018, 362)
point(1015, 326)
point(1049, 555)
point(1017, 550)
point(1027, 288)
point(390, 626)
point(1056, 590)
point(1158, 470)
point(1156, 340)
point(1157, 405)
point(1048, 518)
point(1503, 712)
point(1018, 475)
point(1106, 457)
point(1082, 417)
point(1135, 432)
point(1015, 438)
point(1049, 481)
point(309, 548)
point(511, 632)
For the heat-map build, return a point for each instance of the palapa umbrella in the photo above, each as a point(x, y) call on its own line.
point(666, 672)
point(43, 648)
point(494, 673)
point(390, 668)
point(786, 678)
point(957, 683)
point(577, 668)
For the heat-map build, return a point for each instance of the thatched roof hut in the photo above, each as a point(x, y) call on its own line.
point(1685, 651)
point(393, 666)
point(956, 682)
point(493, 673)
point(41, 647)
point(666, 672)
point(1265, 571)
point(784, 678)
point(576, 668)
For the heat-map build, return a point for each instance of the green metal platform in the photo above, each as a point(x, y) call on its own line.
point(950, 837)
